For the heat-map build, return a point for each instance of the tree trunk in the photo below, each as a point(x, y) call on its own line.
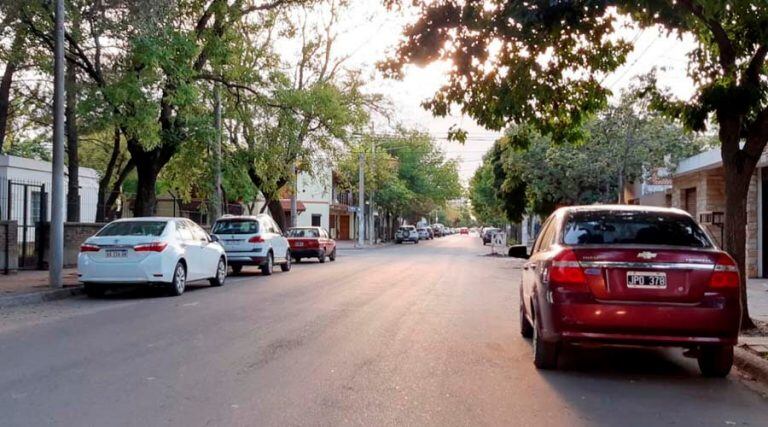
point(278, 214)
point(738, 169)
point(73, 160)
point(145, 203)
point(5, 86)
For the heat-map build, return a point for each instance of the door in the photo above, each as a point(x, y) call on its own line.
point(344, 227)
point(689, 202)
point(532, 269)
point(192, 250)
point(208, 251)
point(278, 241)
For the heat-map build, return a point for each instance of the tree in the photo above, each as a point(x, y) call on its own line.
point(544, 61)
point(487, 208)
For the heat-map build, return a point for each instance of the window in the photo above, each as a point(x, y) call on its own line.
point(275, 227)
point(544, 231)
point(633, 227)
point(236, 226)
point(36, 206)
point(303, 232)
point(183, 232)
point(197, 232)
point(317, 220)
point(133, 228)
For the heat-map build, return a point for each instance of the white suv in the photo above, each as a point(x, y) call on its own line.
point(253, 240)
point(406, 233)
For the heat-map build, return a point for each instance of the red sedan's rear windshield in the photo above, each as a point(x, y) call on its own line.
point(303, 232)
point(633, 227)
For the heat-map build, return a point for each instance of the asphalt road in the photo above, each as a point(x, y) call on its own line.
point(405, 335)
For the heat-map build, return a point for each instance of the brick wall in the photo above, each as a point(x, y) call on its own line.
point(9, 237)
point(75, 234)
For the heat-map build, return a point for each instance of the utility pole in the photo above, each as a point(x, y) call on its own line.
point(56, 260)
point(361, 201)
point(371, 221)
point(217, 198)
point(294, 202)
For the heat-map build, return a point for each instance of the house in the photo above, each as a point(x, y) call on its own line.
point(698, 186)
point(652, 190)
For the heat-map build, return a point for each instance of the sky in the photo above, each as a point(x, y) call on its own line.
point(368, 31)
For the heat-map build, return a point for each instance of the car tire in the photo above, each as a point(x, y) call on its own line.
point(715, 360)
point(179, 282)
point(269, 264)
point(398, 242)
point(221, 273)
point(286, 266)
point(544, 353)
point(332, 256)
point(526, 329)
point(416, 242)
point(237, 269)
point(94, 291)
point(297, 259)
point(321, 256)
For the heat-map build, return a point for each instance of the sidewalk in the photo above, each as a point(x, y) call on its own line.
point(30, 286)
point(351, 245)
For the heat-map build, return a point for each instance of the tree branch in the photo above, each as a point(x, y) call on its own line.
point(727, 54)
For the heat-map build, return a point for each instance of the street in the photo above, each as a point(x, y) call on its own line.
point(421, 334)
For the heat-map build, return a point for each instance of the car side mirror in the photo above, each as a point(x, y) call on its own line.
point(213, 238)
point(518, 251)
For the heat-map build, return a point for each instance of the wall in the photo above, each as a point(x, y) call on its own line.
point(315, 193)
point(75, 234)
point(9, 237)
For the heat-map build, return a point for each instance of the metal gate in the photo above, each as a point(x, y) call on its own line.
point(27, 204)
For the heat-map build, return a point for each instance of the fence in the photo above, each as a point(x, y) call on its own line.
point(196, 209)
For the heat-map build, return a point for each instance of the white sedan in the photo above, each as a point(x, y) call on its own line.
point(155, 251)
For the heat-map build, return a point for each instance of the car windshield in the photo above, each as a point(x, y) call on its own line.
point(634, 227)
point(236, 226)
point(133, 228)
point(303, 232)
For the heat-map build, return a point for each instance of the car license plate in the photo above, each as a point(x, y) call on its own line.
point(116, 254)
point(299, 243)
point(646, 280)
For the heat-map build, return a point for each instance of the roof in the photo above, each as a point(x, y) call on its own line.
point(149, 218)
point(286, 204)
point(707, 160)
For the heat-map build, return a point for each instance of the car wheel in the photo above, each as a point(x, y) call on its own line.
point(237, 269)
point(286, 266)
point(715, 360)
point(526, 329)
point(321, 256)
point(416, 242)
point(544, 353)
point(297, 259)
point(266, 269)
point(179, 282)
point(221, 274)
point(332, 256)
point(93, 290)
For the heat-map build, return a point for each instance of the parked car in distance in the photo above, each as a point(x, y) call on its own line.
point(438, 229)
point(311, 242)
point(632, 275)
point(406, 233)
point(424, 233)
point(253, 240)
point(169, 252)
point(488, 234)
point(464, 230)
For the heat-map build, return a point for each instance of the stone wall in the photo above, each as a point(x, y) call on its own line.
point(9, 247)
point(710, 196)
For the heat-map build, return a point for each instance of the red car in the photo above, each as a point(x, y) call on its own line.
point(311, 242)
point(464, 230)
point(629, 275)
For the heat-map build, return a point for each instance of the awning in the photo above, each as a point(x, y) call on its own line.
point(286, 204)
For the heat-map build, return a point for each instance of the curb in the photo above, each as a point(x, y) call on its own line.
point(38, 297)
point(355, 248)
point(751, 364)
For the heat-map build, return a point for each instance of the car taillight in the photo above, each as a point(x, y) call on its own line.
point(89, 248)
point(256, 239)
point(151, 247)
point(313, 243)
point(565, 269)
point(726, 273)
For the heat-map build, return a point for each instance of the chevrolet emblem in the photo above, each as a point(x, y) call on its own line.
point(646, 255)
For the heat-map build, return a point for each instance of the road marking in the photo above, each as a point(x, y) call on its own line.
point(191, 304)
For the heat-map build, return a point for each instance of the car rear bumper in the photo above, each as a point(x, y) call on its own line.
point(148, 270)
point(305, 253)
point(715, 320)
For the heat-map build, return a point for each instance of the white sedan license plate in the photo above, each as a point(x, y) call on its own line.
point(646, 280)
point(117, 254)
